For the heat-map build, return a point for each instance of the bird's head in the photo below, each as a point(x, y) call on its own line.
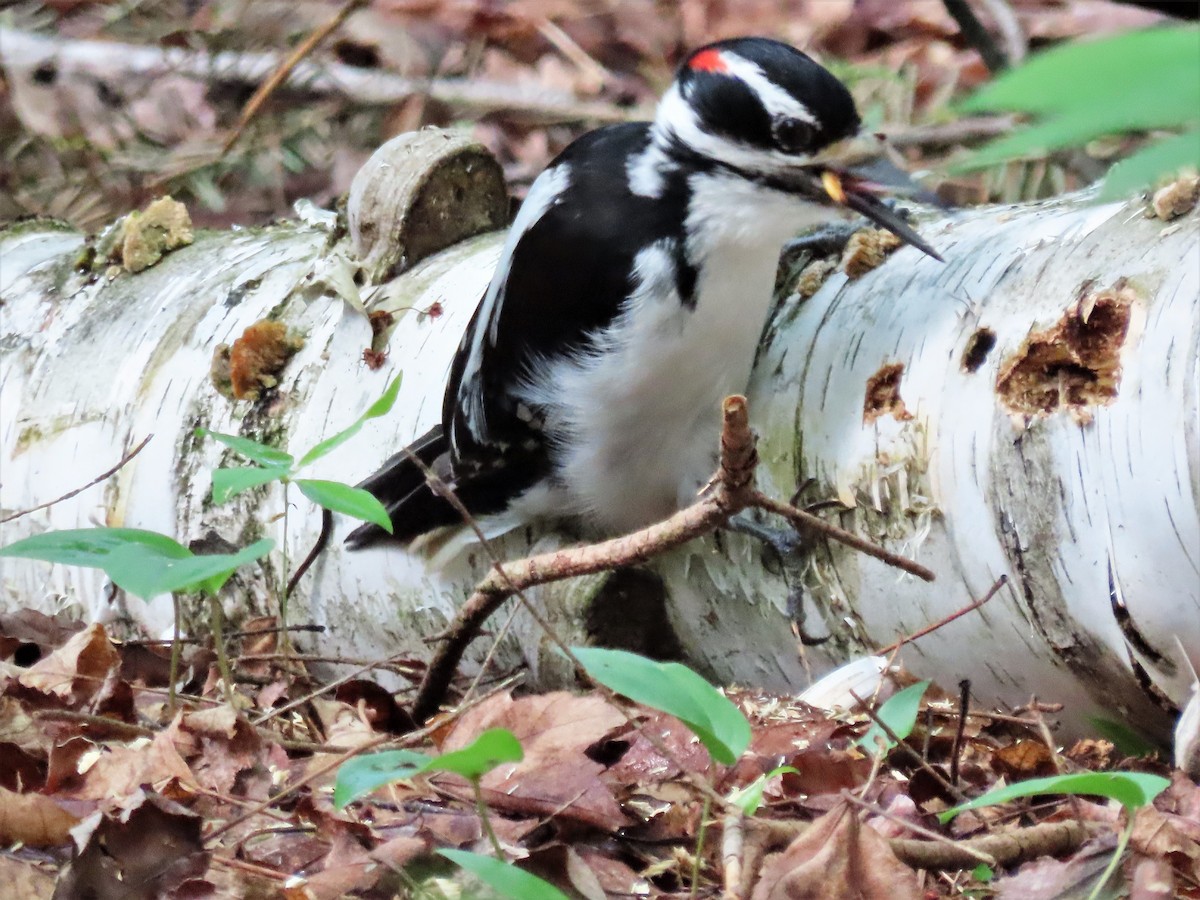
point(771, 114)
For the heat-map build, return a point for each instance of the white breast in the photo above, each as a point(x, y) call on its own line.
point(637, 421)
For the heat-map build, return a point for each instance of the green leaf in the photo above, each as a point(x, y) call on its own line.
point(983, 873)
point(899, 712)
point(1100, 73)
point(1151, 163)
point(251, 449)
point(749, 798)
point(144, 563)
point(228, 483)
point(1131, 789)
point(359, 776)
point(88, 547)
point(492, 748)
point(363, 774)
point(1070, 129)
point(674, 689)
point(503, 877)
point(148, 571)
point(1132, 82)
point(380, 407)
point(343, 498)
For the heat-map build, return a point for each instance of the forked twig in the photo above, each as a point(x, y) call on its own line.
point(732, 491)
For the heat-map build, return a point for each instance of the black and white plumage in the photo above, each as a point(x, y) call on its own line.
point(630, 298)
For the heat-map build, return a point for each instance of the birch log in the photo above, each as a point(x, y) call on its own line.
point(1031, 409)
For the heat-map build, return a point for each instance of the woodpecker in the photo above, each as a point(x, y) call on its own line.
point(630, 298)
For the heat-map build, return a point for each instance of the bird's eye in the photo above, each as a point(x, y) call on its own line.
point(792, 135)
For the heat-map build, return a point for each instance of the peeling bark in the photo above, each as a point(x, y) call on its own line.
point(1040, 418)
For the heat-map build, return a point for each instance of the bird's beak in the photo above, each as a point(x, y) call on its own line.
point(853, 174)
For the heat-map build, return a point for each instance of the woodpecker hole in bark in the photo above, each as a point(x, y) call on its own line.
point(1075, 364)
point(979, 346)
point(883, 395)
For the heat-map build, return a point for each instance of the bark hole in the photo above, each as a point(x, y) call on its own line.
point(1073, 365)
point(979, 346)
point(883, 395)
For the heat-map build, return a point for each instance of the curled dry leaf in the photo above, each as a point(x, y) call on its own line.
point(75, 671)
point(836, 857)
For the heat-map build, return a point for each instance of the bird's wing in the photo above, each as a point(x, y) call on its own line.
point(564, 275)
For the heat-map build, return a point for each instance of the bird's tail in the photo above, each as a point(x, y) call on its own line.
point(400, 486)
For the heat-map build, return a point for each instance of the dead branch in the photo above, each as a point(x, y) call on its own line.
point(110, 62)
point(280, 75)
point(1008, 848)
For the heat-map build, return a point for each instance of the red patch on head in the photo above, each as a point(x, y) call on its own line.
point(708, 61)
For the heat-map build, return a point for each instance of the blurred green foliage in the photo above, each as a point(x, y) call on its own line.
point(1139, 81)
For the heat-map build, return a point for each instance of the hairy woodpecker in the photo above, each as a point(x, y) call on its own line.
point(630, 298)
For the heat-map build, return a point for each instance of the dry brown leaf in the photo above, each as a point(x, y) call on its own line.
point(34, 819)
point(556, 777)
point(1052, 879)
point(75, 671)
point(138, 853)
point(1163, 836)
point(1024, 759)
point(24, 880)
point(117, 771)
point(836, 858)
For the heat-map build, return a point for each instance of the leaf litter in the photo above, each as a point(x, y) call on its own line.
point(127, 799)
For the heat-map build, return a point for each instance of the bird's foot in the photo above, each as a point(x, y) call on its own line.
point(790, 547)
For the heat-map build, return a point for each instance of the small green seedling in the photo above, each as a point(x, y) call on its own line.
point(899, 712)
point(1084, 90)
point(504, 878)
point(1132, 790)
point(144, 563)
point(749, 798)
point(361, 775)
point(674, 689)
point(272, 464)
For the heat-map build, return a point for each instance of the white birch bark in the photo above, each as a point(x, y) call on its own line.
point(1092, 511)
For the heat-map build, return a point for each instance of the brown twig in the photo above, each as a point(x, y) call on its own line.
point(1007, 848)
point(318, 546)
point(970, 607)
point(961, 847)
point(95, 481)
point(324, 689)
point(732, 494)
point(121, 730)
point(902, 744)
point(804, 519)
point(280, 75)
point(964, 700)
point(732, 491)
point(408, 740)
point(946, 134)
point(976, 35)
